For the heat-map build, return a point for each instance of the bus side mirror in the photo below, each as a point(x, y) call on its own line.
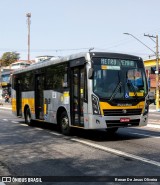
point(90, 73)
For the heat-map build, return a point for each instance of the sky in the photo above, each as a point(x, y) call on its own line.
point(64, 27)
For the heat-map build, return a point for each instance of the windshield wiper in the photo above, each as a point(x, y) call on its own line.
point(115, 91)
point(129, 83)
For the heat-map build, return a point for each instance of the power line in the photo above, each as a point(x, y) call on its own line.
point(43, 50)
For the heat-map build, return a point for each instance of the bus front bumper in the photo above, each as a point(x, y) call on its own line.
point(103, 122)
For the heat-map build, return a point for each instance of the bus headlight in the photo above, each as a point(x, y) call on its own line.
point(95, 105)
point(146, 109)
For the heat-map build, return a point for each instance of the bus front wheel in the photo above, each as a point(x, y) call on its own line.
point(64, 124)
point(28, 119)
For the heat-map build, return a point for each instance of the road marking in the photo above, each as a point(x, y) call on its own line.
point(157, 137)
point(24, 125)
point(5, 119)
point(39, 129)
point(14, 121)
point(56, 134)
point(117, 152)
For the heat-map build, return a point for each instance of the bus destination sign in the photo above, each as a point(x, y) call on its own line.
point(118, 62)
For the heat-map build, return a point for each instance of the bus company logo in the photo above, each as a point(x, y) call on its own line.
point(124, 111)
point(124, 105)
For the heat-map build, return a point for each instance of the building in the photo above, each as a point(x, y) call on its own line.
point(42, 58)
point(20, 64)
point(5, 76)
point(6, 82)
point(150, 66)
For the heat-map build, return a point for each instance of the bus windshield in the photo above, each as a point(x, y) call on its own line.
point(119, 79)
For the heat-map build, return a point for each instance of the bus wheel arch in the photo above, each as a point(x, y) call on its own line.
point(63, 121)
point(27, 115)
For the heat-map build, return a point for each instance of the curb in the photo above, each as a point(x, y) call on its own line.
point(152, 111)
point(153, 126)
point(8, 108)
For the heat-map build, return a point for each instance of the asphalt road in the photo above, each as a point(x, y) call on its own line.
point(42, 151)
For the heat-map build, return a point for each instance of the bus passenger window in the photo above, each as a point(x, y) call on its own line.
point(65, 81)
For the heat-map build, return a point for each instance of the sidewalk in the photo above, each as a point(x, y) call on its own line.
point(152, 108)
point(4, 105)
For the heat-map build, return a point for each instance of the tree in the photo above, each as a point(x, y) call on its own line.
point(9, 57)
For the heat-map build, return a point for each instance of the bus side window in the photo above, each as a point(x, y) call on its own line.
point(65, 80)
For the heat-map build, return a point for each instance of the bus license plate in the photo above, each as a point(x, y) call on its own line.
point(124, 120)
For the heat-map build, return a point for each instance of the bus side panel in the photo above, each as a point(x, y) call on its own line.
point(52, 101)
point(28, 100)
point(86, 117)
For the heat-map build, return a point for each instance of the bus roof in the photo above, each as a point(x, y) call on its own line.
point(57, 60)
point(53, 60)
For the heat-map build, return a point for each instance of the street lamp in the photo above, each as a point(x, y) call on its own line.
point(140, 42)
point(28, 15)
point(157, 65)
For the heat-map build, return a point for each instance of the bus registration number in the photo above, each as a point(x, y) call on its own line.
point(124, 120)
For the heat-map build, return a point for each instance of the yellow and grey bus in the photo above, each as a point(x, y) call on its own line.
point(92, 90)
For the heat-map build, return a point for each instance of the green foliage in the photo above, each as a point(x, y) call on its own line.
point(9, 57)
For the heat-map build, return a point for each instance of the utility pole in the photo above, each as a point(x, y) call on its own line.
point(28, 15)
point(0, 74)
point(157, 74)
point(157, 69)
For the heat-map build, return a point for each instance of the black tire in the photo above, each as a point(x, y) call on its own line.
point(111, 131)
point(28, 119)
point(64, 124)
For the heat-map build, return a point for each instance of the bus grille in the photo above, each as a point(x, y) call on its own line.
point(121, 112)
point(116, 123)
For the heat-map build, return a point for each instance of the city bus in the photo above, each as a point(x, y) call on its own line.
point(92, 90)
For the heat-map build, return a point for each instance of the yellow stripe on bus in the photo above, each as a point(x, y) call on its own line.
point(14, 108)
point(30, 102)
point(105, 105)
point(25, 101)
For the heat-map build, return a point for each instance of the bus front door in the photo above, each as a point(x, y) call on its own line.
point(39, 97)
point(77, 96)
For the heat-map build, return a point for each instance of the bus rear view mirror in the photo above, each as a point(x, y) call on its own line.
point(90, 73)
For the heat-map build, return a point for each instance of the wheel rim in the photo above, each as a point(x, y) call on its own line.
point(28, 117)
point(64, 123)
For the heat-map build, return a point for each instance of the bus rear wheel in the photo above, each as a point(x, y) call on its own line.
point(28, 119)
point(64, 124)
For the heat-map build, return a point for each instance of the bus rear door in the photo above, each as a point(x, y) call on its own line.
point(39, 97)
